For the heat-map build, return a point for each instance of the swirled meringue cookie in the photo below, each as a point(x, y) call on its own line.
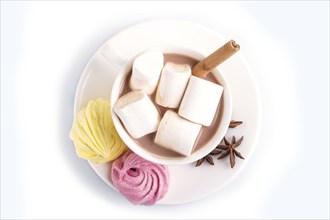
point(140, 181)
point(94, 134)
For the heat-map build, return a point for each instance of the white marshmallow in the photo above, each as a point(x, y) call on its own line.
point(200, 101)
point(172, 84)
point(176, 133)
point(146, 70)
point(138, 114)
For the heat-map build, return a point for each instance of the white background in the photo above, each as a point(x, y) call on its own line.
point(45, 47)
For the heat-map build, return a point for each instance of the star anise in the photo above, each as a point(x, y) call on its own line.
point(234, 124)
point(230, 150)
point(208, 158)
point(226, 147)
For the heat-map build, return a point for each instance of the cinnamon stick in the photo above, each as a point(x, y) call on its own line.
point(216, 58)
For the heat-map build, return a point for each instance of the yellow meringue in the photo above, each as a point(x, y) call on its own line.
point(94, 135)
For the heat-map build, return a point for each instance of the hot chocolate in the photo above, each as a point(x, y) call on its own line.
point(147, 141)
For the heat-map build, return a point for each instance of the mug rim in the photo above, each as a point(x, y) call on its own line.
point(196, 155)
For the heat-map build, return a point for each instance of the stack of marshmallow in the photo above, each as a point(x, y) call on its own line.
point(196, 100)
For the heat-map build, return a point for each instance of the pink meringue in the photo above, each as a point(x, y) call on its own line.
point(140, 181)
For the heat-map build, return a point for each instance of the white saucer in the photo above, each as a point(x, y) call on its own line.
point(187, 182)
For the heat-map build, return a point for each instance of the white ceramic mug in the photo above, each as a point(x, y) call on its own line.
point(160, 156)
